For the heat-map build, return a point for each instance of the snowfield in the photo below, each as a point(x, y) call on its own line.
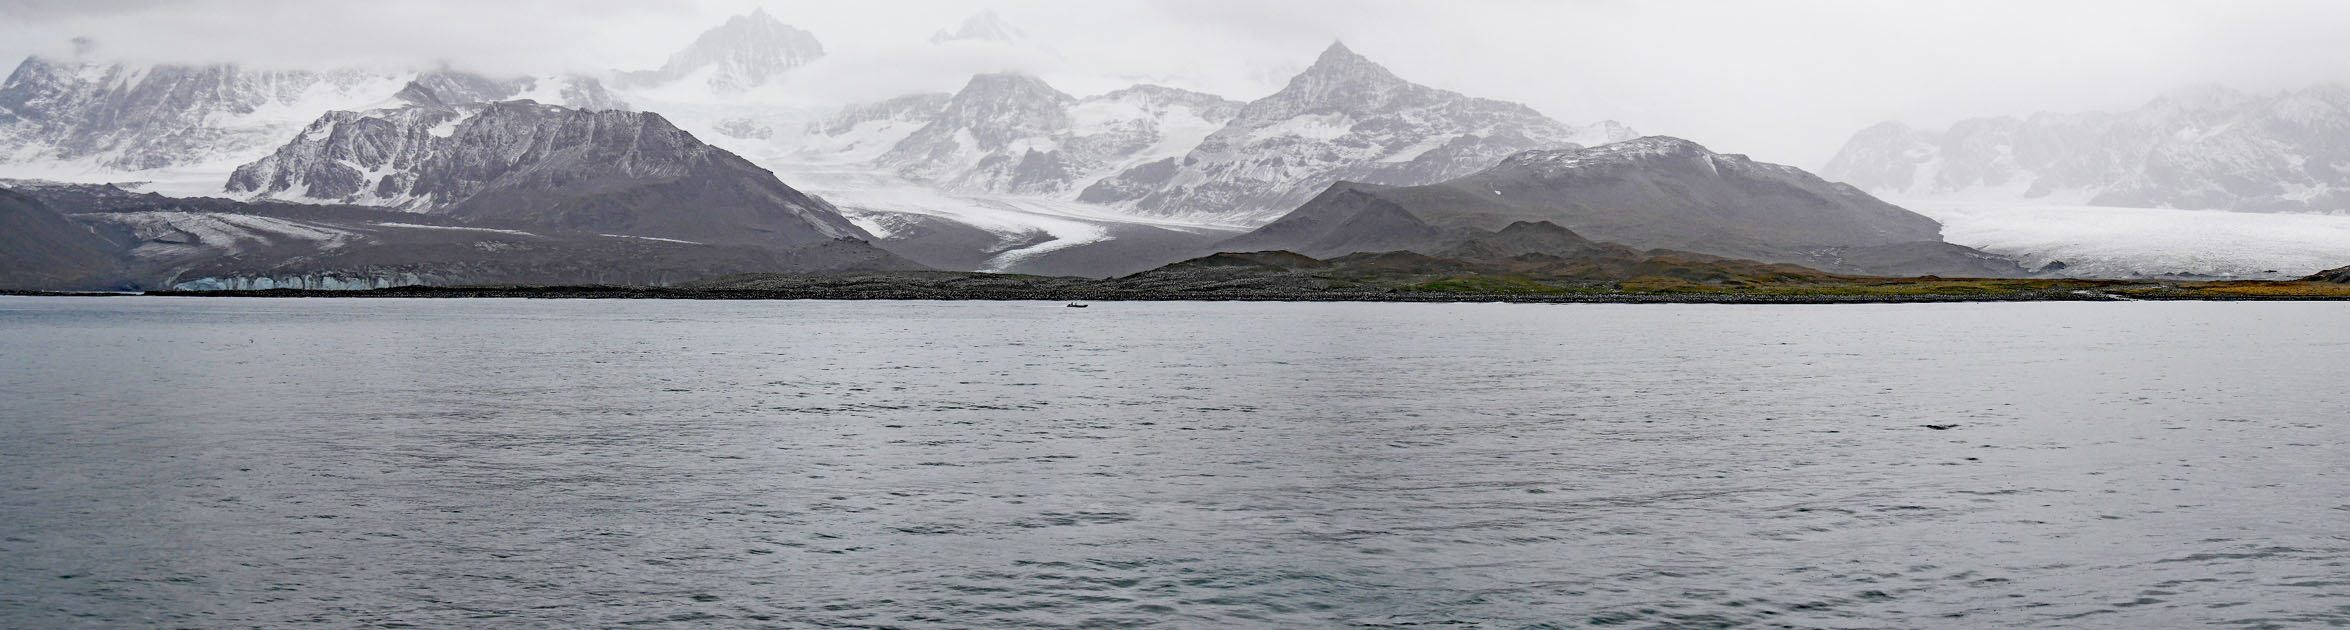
point(2096, 241)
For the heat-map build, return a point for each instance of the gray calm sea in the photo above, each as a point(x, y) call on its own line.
point(183, 462)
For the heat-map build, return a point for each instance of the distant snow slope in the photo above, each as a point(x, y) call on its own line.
point(2100, 241)
point(2208, 148)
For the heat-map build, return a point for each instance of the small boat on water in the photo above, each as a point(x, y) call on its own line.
point(1076, 305)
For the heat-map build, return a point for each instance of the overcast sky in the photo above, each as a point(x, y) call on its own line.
point(1785, 81)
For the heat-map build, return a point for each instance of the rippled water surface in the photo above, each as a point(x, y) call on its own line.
point(499, 463)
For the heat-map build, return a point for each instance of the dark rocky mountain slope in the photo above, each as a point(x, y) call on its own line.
point(1653, 193)
point(42, 249)
point(154, 242)
point(525, 163)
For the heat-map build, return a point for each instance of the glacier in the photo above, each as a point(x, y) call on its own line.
point(2119, 242)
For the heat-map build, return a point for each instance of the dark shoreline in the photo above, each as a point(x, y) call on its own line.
point(669, 293)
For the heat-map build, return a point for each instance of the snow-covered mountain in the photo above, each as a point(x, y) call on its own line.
point(126, 118)
point(998, 132)
point(129, 117)
point(1343, 118)
point(1012, 133)
point(862, 132)
point(525, 163)
point(746, 52)
point(2209, 148)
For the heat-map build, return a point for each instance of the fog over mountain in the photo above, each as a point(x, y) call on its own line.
point(1786, 82)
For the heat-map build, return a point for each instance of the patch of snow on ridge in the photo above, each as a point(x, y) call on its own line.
point(1636, 148)
point(417, 226)
point(1417, 149)
point(1092, 117)
point(652, 238)
point(446, 128)
point(1322, 127)
point(1602, 132)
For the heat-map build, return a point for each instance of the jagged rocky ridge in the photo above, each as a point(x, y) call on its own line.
point(2204, 149)
point(1343, 118)
point(1654, 193)
point(526, 163)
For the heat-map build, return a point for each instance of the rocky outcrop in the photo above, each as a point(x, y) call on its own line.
point(1344, 219)
point(1522, 239)
point(2337, 275)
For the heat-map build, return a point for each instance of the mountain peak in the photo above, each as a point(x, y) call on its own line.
point(1340, 60)
point(1344, 79)
point(1001, 84)
point(743, 53)
point(757, 18)
point(983, 26)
